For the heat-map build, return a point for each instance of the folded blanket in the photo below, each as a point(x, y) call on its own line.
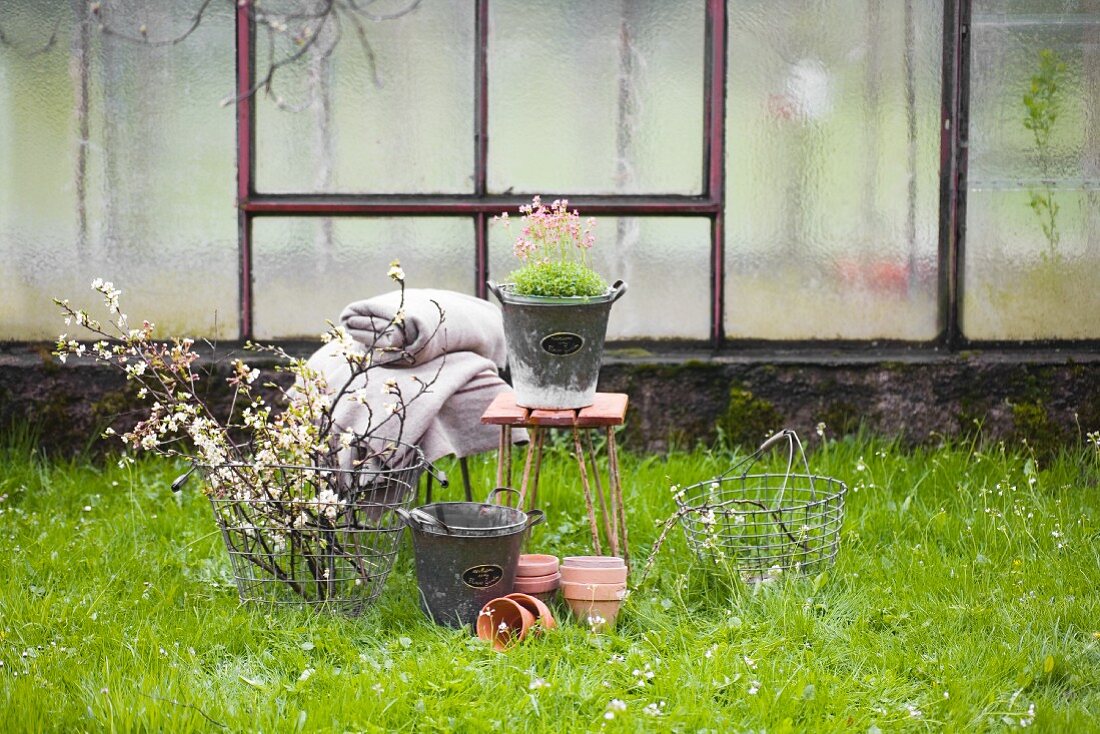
point(458, 355)
point(469, 325)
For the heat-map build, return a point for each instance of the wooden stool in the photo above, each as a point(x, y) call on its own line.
point(607, 412)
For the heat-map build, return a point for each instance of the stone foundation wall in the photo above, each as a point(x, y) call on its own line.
point(676, 400)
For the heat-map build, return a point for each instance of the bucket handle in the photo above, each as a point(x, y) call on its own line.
point(416, 519)
point(494, 494)
point(534, 517)
point(494, 289)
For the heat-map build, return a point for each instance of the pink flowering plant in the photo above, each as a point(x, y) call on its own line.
point(553, 244)
point(293, 489)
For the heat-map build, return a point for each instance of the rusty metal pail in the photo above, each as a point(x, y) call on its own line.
point(466, 554)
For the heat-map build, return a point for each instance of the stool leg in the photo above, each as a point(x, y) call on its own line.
point(533, 502)
point(608, 517)
point(528, 460)
point(466, 479)
point(507, 457)
point(617, 489)
point(502, 446)
point(587, 492)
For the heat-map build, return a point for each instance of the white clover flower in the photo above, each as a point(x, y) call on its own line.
point(613, 706)
point(754, 688)
point(654, 709)
point(537, 683)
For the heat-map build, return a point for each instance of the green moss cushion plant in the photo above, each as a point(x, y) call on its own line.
point(558, 278)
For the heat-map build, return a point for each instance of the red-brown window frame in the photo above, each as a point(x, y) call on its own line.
point(480, 205)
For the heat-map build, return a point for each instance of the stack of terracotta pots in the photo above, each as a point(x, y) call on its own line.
point(537, 575)
point(594, 587)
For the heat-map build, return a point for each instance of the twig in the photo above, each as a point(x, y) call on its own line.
point(181, 704)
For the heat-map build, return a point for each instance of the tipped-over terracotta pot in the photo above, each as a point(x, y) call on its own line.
point(542, 613)
point(503, 621)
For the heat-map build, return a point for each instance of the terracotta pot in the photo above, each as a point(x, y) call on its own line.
point(597, 615)
point(542, 613)
point(503, 621)
point(537, 584)
point(593, 592)
point(593, 575)
point(536, 564)
point(593, 562)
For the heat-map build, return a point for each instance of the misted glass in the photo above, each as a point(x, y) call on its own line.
point(382, 107)
point(1032, 248)
point(832, 192)
point(308, 269)
point(596, 97)
point(117, 161)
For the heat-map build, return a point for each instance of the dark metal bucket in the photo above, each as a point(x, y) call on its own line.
point(466, 555)
point(555, 345)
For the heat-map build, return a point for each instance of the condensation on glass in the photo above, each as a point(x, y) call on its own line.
point(596, 98)
point(307, 269)
point(832, 178)
point(1024, 279)
point(664, 260)
point(116, 161)
point(394, 116)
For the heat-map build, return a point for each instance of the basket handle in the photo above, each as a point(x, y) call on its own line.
point(792, 440)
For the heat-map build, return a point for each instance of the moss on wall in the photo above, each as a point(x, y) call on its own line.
point(748, 419)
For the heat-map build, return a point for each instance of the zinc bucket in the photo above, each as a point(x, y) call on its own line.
point(466, 555)
point(555, 345)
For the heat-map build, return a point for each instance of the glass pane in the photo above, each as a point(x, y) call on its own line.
point(307, 270)
point(665, 262)
point(392, 116)
point(832, 137)
point(146, 200)
point(596, 97)
point(1023, 278)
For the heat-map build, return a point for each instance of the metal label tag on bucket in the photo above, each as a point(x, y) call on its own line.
point(482, 577)
point(562, 343)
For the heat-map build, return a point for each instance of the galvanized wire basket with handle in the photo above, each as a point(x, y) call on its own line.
point(319, 536)
point(765, 524)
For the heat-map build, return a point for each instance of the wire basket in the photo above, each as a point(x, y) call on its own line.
point(323, 537)
point(765, 524)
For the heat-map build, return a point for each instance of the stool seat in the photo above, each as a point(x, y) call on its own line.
point(607, 411)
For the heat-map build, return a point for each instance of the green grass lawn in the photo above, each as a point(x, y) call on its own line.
point(964, 598)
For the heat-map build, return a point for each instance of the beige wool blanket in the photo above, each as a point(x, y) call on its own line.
point(450, 341)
